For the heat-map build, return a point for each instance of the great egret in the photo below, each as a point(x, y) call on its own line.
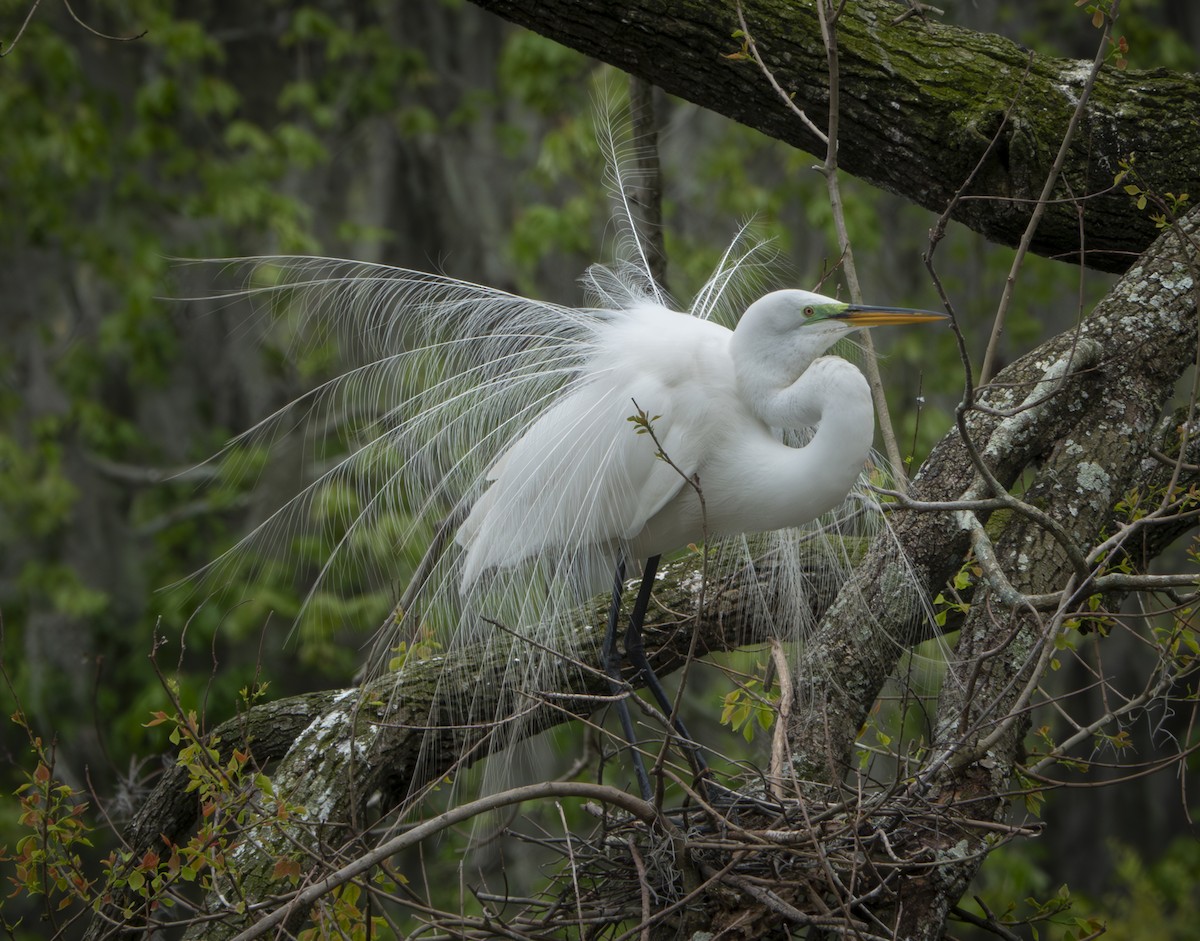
point(509, 415)
point(708, 401)
point(712, 397)
point(513, 415)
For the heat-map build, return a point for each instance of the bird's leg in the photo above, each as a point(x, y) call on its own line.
point(611, 658)
point(635, 651)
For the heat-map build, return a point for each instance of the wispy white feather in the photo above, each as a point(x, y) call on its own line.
point(447, 377)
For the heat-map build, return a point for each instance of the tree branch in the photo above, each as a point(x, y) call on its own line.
point(920, 102)
point(1101, 418)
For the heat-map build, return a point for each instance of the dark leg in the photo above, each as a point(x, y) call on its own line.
point(635, 651)
point(612, 666)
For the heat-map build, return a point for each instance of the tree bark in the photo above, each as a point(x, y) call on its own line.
point(1090, 443)
point(921, 103)
point(1147, 329)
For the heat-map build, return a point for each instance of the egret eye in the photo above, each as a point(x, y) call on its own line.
point(808, 312)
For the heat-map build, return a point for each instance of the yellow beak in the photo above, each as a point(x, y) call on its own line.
point(863, 315)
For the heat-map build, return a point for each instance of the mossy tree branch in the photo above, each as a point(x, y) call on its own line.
point(920, 103)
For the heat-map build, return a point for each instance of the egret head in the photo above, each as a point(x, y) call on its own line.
point(781, 334)
point(822, 319)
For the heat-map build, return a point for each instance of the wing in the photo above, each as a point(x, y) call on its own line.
point(585, 475)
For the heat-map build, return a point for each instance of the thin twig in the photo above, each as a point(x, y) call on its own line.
point(829, 169)
point(640, 809)
point(770, 76)
point(21, 31)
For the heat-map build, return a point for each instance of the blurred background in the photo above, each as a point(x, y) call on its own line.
point(425, 134)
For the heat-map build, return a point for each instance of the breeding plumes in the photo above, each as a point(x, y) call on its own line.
point(707, 461)
point(539, 449)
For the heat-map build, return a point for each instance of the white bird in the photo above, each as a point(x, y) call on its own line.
point(512, 416)
point(715, 400)
point(581, 475)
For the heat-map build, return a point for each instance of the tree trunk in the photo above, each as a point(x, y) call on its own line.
point(921, 104)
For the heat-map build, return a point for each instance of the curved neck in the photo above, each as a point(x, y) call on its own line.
point(828, 385)
point(770, 366)
point(756, 483)
point(834, 396)
point(846, 415)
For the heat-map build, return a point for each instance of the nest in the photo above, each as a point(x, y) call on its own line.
point(739, 866)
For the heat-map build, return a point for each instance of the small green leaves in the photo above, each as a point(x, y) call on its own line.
point(47, 861)
point(743, 52)
point(643, 424)
point(1136, 191)
point(643, 421)
point(746, 707)
point(423, 647)
point(1170, 205)
point(964, 579)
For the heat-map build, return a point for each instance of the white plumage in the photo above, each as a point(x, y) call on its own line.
point(581, 475)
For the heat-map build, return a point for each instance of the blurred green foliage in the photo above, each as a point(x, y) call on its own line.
point(117, 157)
point(1146, 901)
